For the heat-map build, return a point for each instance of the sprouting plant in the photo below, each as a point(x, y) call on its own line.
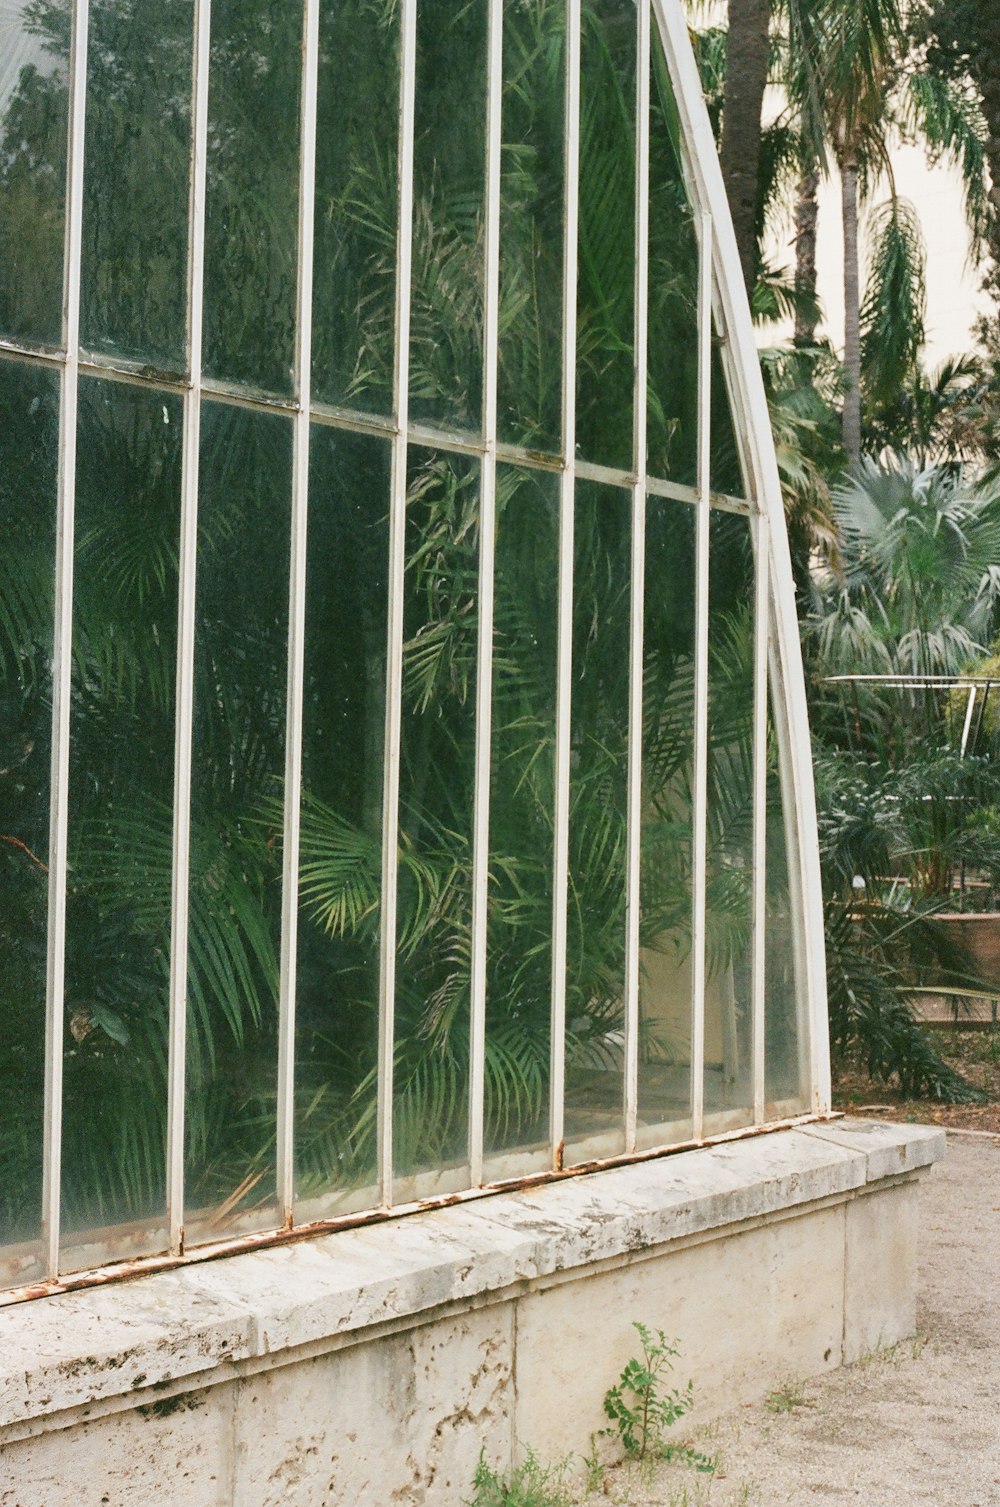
point(787, 1398)
point(642, 1411)
point(529, 1484)
point(594, 1465)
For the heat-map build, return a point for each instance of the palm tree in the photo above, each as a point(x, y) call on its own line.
point(921, 582)
point(964, 37)
point(748, 57)
point(854, 83)
point(918, 598)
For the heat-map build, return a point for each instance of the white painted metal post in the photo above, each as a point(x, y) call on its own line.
point(699, 815)
point(751, 419)
point(62, 653)
point(567, 503)
point(184, 697)
point(285, 1170)
point(487, 552)
point(638, 567)
point(762, 633)
point(970, 708)
point(397, 581)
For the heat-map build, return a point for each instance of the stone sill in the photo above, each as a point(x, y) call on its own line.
point(78, 1354)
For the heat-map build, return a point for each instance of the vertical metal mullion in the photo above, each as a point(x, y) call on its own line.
point(759, 871)
point(285, 1169)
point(487, 552)
point(184, 700)
point(637, 598)
point(966, 728)
point(397, 581)
point(62, 649)
point(567, 488)
point(700, 794)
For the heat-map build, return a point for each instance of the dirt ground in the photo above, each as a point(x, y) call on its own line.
point(975, 1054)
point(918, 1424)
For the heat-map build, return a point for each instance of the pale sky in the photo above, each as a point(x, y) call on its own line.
point(953, 297)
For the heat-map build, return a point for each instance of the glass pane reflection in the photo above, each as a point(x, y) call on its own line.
point(672, 448)
point(29, 402)
point(522, 809)
point(729, 905)
point(605, 341)
point(449, 168)
point(727, 466)
point(529, 379)
point(437, 765)
point(136, 180)
point(251, 212)
point(665, 983)
point(33, 112)
point(336, 1020)
point(785, 1029)
point(121, 791)
point(238, 761)
point(595, 971)
point(354, 285)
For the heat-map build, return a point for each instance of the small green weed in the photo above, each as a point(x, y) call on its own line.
point(594, 1465)
point(787, 1398)
point(642, 1411)
point(530, 1484)
point(746, 1495)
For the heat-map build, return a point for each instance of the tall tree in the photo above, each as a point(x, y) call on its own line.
point(863, 43)
point(855, 83)
point(806, 221)
point(964, 38)
point(746, 80)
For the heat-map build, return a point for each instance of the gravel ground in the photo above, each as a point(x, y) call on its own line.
point(919, 1423)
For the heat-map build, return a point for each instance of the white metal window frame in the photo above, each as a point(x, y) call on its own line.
point(723, 316)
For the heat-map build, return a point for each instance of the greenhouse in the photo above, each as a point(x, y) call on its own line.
point(405, 788)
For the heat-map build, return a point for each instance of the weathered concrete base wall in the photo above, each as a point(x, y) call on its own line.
point(371, 1367)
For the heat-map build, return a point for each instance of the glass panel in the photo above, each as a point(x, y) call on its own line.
point(605, 344)
point(726, 467)
point(136, 183)
point(251, 217)
point(437, 758)
point(672, 451)
point(336, 1019)
point(729, 907)
point(449, 164)
point(522, 810)
point(529, 379)
point(120, 797)
point(33, 110)
point(238, 761)
point(595, 971)
point(786, 1069)
point(29, 433)
point(665, 981)
point(354, 287)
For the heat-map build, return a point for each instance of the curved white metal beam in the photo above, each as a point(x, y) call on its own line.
point(751, 418)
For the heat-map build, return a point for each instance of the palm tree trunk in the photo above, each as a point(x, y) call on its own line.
point(852, 307)
point(806, 215)
point(746, 79)
point(988, 71)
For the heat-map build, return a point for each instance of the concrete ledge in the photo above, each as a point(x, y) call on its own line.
point(888, 1148)
point(207, 1322)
